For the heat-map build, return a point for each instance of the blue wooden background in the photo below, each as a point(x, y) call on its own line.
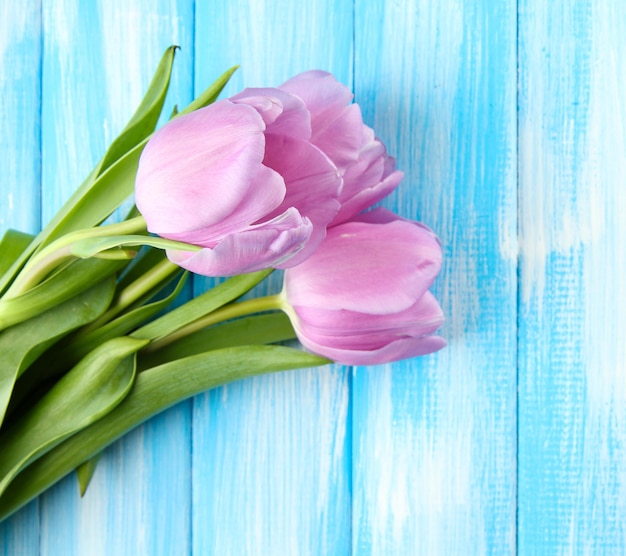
point(509, 120)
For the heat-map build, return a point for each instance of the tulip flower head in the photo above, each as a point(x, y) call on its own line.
point(362, 298)
point(255, 180)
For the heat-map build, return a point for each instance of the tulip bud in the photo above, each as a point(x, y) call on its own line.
point(362, 298)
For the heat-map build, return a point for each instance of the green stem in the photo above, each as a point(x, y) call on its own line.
point(227, 312)
point(135, 291)
point(199, 306)
point(54, 254)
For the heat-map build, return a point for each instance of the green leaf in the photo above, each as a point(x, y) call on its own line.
point(89, 206)
point(62, 357)
point(21, 344)
point(90, 247)
point(64, 284)
point(143, 263)
point(200, 306)
point(210, 94)
point(12, 245)
point(258, 329)
point(154, 391)
point(81, 344)
point(87, 393)
point(85, 471)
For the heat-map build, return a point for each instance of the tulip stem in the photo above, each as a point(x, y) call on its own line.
point(135, 291)
point(227, 312)
point(54, 254)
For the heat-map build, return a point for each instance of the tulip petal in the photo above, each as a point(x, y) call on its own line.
point(351, 328)
point(366, 182)
point(283, 113)
point(259, 247)
point(366, 267)
point(266, 192)
point(323, 95)
point(397, 350)
point(312, 181)
point(341, 137)
point(207, 158)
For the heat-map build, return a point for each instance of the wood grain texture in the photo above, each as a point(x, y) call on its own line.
point(572, 457)
point(20, 171)
point(271, 455)
point(419, 457)
point(20, 84)
point(434, 438)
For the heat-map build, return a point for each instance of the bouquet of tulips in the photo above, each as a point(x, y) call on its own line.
point(271, 178)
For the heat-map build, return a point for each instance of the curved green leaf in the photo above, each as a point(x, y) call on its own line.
point(64, 284)
point(90, 247)
point(200, 306)
point(87, 393)
point(20, 345)
point(80, 344)
point(12, 245)
point(154, 391)
point(258, 329)
point(210, 94)
point(85, 471)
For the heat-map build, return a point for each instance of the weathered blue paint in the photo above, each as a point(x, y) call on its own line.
point(572, 370)
point(435, 438)
point(510, 440)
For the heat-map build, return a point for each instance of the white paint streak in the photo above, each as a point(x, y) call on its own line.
point(438, 447)
point(424, 462)
point(561, 213)
point(573, 148)
point(276, 484)
point(19, 90)
point(604, 285)
point(17, 25)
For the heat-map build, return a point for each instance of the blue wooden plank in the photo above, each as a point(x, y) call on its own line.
point(271, 455)
point(99, 58)
point(20, 81)
point(434, 438)
point(572, 461)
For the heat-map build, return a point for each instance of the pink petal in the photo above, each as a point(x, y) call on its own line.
point(208, 158)
point(397, 350)
point(323, 95)
point(267, 190)
point(369, 193)
point(312, 181)
point(367, 267)
point(349, 328)
point(282, 112)
point(340, 137)
point(263, 246)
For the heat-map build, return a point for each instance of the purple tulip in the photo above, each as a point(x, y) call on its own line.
point(362, 298)
point(256, 180)
point(242, 181)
